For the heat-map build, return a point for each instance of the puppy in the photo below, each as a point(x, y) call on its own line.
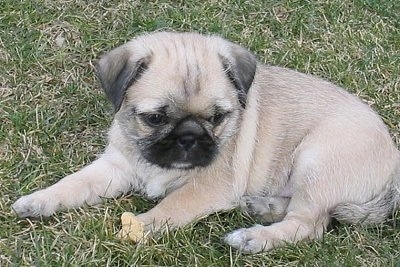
point(203, 125)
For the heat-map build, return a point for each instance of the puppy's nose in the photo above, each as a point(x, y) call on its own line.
point(187, 141)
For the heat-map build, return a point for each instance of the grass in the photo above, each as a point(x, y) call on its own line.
point(54, 118)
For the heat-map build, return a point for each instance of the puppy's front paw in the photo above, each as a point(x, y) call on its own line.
point(249, 240)
point(35, 205)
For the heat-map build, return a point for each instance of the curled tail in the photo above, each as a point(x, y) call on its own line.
point(374, 211)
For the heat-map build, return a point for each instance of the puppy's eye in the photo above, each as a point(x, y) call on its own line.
point(217, 118)
point(155, 119)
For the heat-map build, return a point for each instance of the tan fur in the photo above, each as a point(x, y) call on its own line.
point(301, 151)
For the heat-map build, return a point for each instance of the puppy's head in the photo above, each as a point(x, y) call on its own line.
point(178, 96)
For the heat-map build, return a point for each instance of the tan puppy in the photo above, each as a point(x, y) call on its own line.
point(202, 124)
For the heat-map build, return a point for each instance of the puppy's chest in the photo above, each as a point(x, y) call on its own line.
point(156, 183)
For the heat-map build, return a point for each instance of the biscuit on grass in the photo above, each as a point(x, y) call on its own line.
point(132, 228)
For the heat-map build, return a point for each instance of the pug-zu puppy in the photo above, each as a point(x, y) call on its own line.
point(204, 126)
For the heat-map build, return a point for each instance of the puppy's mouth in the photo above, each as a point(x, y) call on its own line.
point(179, 153)
point(187, 146)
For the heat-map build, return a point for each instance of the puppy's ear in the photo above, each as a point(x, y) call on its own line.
point(117, 71)
point(240, 66)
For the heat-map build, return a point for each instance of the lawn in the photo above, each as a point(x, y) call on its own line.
point(54, 118)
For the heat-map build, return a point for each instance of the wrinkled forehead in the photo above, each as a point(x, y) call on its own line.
point(176, 93)
point(204, 108)
point(186, 73)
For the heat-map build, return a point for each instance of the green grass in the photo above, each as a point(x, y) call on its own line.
point(54, 118)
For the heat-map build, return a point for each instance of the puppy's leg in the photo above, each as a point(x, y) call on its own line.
point(307, 213)
point(268, 209)
point(325, 174)
point(302, 224)
point(306, 219)
point(108, 176)
point(190, 202)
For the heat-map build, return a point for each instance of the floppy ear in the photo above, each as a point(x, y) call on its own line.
point(117, 71)
point(240, 66)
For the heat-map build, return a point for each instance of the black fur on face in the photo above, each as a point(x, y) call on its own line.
point(188, 145)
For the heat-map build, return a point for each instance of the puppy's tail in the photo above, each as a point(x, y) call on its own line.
point(374, 211)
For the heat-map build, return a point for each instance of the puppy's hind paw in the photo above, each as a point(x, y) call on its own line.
point(246, 240)
point(267, 209)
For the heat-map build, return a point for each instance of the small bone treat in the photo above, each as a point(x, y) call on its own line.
point(132, 228)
